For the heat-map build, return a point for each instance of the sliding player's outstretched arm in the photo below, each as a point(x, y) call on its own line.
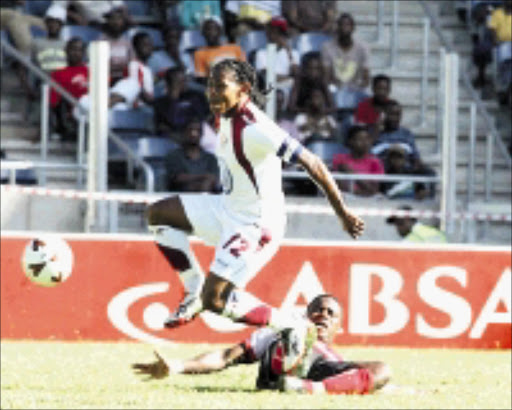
point(204, 363)
point(321, 175)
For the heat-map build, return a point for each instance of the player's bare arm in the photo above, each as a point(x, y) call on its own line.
point(319, 173)
point(204, 363)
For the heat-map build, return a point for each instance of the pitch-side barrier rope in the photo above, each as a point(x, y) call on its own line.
point(291, 208)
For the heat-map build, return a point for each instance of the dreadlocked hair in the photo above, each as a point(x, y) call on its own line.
point(244, 72)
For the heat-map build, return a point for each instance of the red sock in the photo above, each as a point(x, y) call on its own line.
point(244, 307)
point(355, 381)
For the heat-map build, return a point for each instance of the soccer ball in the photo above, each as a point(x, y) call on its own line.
point(47, 260)
point(298, 349)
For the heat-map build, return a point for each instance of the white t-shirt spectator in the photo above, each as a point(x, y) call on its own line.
point(282, 65)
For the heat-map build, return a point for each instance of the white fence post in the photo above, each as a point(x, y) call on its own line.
point(270, 77)
point(98, 133)
point(449, 143)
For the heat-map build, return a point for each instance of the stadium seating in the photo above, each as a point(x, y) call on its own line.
point(155, 34)
point(131, 120)
point(36, 7)
point(311, 41)
point(86, 33)
point(152, 148)
point(251, 41)
point(23, 176)
point(138, 8)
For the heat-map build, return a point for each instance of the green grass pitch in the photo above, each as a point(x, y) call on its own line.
point(60, 375)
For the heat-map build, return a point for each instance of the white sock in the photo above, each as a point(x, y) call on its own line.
point(176, 247)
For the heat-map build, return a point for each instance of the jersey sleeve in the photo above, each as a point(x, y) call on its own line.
point(271, 138)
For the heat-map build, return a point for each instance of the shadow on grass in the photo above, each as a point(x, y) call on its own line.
point(220, 389)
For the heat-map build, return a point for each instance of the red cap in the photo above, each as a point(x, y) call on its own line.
point(280, 23)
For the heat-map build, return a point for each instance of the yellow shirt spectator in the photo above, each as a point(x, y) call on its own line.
point(501, 23)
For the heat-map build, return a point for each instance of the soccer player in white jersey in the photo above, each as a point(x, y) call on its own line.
point(327, 371)
point(246, 221)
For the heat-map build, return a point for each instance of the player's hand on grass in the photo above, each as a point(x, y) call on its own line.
point(352, 223)
point(154, 370)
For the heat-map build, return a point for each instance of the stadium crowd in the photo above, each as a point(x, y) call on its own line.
point(327, 96)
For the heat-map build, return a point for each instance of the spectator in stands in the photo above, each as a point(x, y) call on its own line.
point(494, 30)
point(413, 231)
point(311, 75)
point(394, 133)
point(17, 24)
point(396, 164)
point(190, 168)
point(310, 15)
point(92, 12)
point(315, 122)
point(49, 52)
point(74, 78)
point(172, 57)
point(500, 25)
point(121, 52)
point(370, 110)
point(358, 161)
point(214, 51)
point(138, 68)
point(283, 117)
point(192, 13)
point(345, 59)
point(286, 65)
point(246, 15)
point(173, 109)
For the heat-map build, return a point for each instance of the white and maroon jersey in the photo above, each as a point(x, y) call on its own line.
point(260, 340)
point(250, 148)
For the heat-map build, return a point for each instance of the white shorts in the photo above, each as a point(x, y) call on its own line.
point(241, 248)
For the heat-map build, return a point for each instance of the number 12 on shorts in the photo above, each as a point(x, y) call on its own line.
point(238, 245)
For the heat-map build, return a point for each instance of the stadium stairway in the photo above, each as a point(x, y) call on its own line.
point(16, 134)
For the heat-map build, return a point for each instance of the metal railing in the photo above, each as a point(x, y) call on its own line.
point(12, 166)
point(466, 81)
point(148, 171)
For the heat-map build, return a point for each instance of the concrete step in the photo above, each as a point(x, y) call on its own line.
point(369, 8)
point(18, 131)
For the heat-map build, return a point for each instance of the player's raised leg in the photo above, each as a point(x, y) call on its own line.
point(169, 224)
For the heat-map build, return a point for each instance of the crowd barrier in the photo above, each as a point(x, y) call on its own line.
point(122, 288)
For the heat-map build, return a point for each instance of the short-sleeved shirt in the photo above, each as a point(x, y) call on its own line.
point(502, 24)
point(49, 54)
point(366, 113)
point(177, 163)
point(368, 164)
point(205, 57)
point(282, 63)
point(121, 53)
point(74, 79)
point(143, 75)
point(347, 65)
point(400, 136)
point(250, 148)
